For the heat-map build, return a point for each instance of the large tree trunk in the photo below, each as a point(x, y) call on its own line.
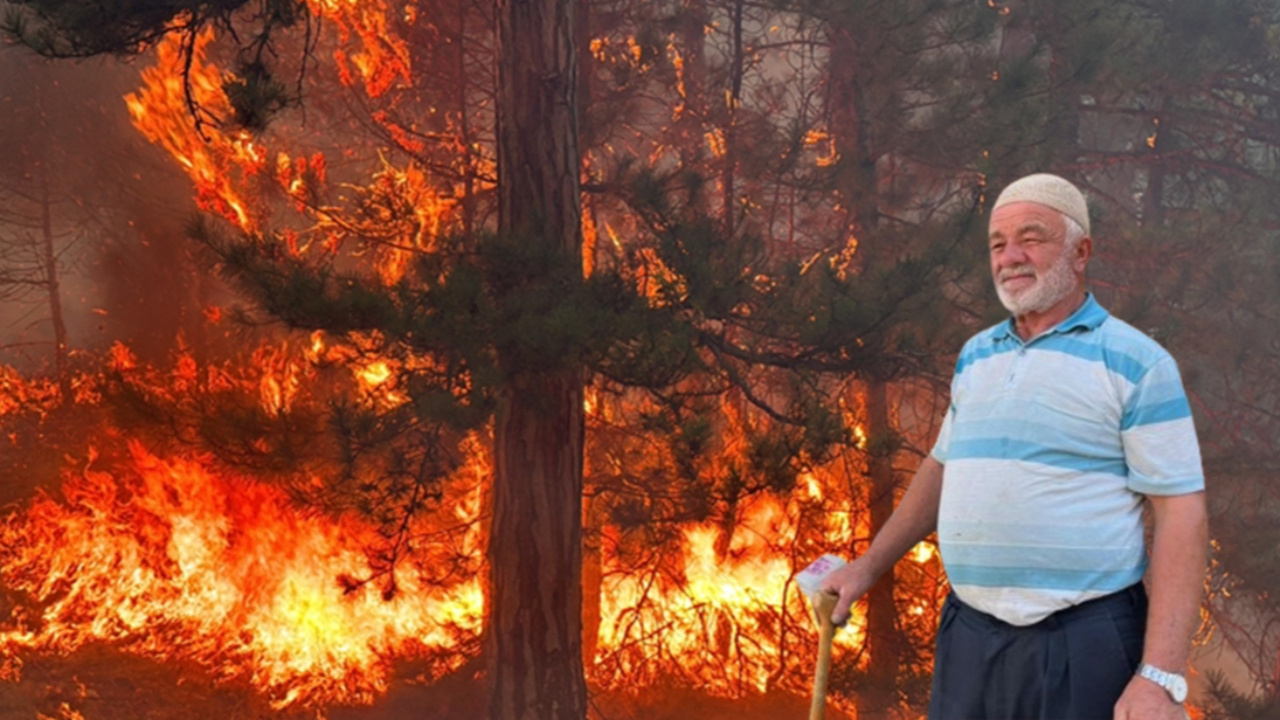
point(534, 639)
point(535, 554)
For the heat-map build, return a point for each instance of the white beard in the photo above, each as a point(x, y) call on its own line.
point(1048, 290)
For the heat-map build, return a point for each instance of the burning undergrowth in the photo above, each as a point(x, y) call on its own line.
point(165, 559)
point(159, 545)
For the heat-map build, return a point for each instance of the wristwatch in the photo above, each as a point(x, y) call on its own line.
point(1173, 683)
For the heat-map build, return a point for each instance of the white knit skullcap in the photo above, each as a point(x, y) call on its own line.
point(1050, 191)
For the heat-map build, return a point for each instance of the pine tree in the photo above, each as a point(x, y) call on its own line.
point(535, 547)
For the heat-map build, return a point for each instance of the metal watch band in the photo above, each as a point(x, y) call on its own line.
point(1173, 683)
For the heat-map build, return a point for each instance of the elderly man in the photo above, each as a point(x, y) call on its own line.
point(1062, 420)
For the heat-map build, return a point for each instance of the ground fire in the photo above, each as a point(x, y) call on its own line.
point(167, 558)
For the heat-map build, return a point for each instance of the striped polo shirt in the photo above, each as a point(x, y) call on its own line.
point(1048, 449)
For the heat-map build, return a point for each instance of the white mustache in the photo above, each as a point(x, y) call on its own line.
point(1016, 272)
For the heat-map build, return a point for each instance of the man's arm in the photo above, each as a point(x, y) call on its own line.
point(915, 517)
point(1179, 557)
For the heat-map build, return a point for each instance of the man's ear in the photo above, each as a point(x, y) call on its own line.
point(1084, 251)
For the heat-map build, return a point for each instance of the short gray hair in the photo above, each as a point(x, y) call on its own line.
point(1074, 233)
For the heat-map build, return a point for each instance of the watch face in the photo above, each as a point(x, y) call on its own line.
point(1178, 688)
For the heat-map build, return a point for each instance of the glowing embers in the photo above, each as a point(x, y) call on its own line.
point(19, 393)
point(168, 560)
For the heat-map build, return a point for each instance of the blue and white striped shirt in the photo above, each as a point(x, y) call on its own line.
point(1048, 448)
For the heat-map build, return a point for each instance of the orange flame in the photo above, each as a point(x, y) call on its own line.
point(385, 56)
point(17, 393)
point(220, 166)
point(281, 379)
point(171, 560)
point(721, 625)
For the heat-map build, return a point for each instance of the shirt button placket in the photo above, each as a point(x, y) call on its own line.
point(1015, 367)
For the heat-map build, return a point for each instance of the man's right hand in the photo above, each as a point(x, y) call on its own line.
point(850, 582)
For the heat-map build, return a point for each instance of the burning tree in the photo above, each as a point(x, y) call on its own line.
point(717, 301)
point(470, 325)
point(456, 320)
point(535, 546)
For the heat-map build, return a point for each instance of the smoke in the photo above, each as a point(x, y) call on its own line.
point(115, 206)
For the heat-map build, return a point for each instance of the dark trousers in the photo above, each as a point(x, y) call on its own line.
point(1073, 665)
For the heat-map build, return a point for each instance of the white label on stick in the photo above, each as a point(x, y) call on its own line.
point(810, 579)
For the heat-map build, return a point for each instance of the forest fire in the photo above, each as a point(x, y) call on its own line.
point(168, 558)
point(180, 557)
point(518, 355)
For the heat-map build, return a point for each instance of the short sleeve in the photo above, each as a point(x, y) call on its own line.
point(942, 445)
point(1159, 436)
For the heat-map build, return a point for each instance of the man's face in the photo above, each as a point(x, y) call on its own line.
point(1031, 265)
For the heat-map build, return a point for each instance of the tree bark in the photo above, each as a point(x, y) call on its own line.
point(881, 696)
point(690, 141)
point(535, 552)
point(49, 258)
point(1153, 196)
point(534, 639)
point(728, 168)
point(852, 74)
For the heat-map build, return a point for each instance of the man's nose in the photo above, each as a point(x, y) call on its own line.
point(1010, 254)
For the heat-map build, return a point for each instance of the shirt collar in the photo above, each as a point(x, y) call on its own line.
point(1087, 317)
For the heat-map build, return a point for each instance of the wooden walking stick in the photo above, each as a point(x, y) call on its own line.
point(823, 603)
